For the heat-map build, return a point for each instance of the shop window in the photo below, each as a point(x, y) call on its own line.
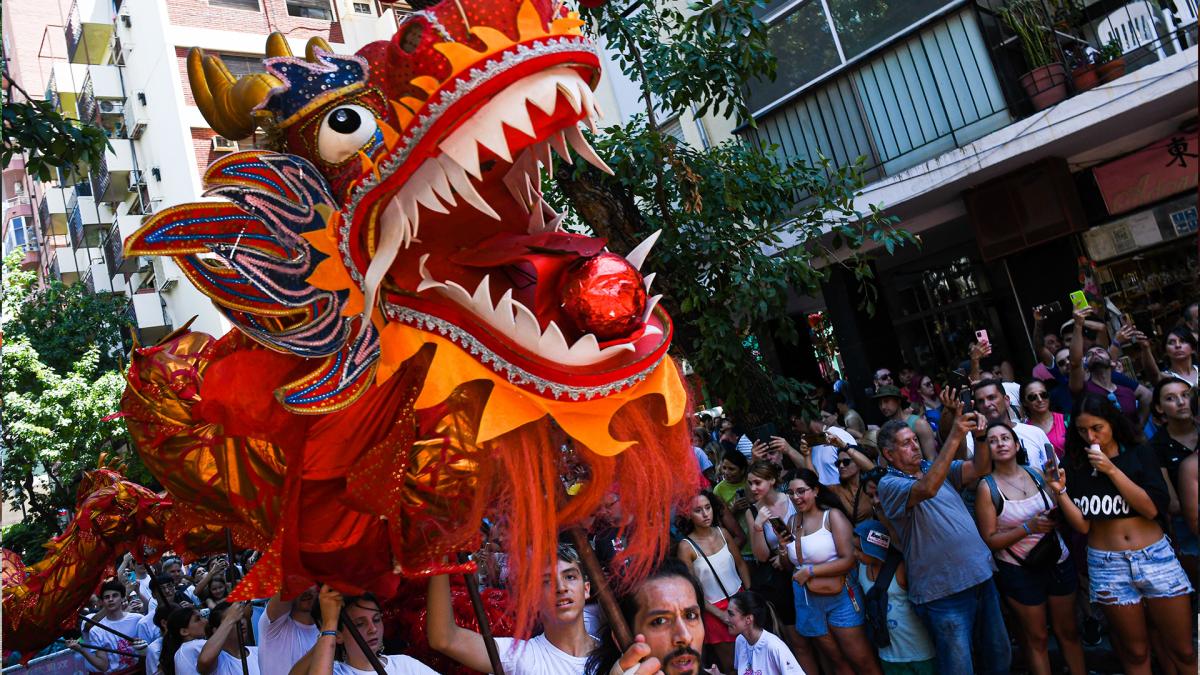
point(310, 9)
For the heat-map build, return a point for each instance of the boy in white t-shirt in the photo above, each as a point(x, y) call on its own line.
point(286, 632)
point(112, 599)
point(563, 647)
point(220, 656)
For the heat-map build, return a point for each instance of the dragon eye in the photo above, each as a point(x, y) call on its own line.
point(345, 130)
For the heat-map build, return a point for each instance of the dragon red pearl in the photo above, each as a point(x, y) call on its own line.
point(604, 295)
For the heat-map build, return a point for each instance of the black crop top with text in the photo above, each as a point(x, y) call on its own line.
point(1098, 498)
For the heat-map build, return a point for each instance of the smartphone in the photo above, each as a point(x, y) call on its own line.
point(981, 337)
point(781, 530)
point(1078, 300)
point(968, 401)
point(740, 493)
point(763, 433)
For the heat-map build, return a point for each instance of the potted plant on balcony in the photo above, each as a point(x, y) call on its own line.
point(1046, 81)
point(1083, 70)
point(1110, 61)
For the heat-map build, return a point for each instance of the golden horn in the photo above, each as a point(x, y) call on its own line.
point(227, 104)
point(313, 44)
point(277, 45)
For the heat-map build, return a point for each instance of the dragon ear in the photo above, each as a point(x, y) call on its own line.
point(315, 43)
point(228, 104)
point(277, 45)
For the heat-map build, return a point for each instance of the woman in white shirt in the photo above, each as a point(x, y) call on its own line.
point(336, 640)
point(758, 651)
point(182, 642)
point(721, 572)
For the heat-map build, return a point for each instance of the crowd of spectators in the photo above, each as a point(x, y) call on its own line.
point(987, 523)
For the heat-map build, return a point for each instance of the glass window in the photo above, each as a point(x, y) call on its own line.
point(862, 24)
point(363, 8)
point(802, 44)
point(243, 65)
point(236, 4)
point(310, 9)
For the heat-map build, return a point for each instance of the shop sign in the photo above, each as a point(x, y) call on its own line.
point(1157, 171)
point(1145, 228)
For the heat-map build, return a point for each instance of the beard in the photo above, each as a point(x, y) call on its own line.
point(683, 651)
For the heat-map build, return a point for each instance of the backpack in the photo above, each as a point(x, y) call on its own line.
point(875, 603)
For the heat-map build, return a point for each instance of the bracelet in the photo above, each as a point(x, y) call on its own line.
point(1061, 492)
point(1026, 526)
point(810, 570)
point(329, 632)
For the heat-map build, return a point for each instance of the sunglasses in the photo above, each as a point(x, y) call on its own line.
point(1037, 396)
point(798, 492)
point(843, 463)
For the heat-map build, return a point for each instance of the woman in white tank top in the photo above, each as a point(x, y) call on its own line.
point(720, 571)
point(827, 601)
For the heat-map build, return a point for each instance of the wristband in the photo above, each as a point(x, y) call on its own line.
point(1027, 530)
point(1062, 491)
point(810, 570)
point(329, 632)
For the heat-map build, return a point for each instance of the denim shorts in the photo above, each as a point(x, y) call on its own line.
point(1125, 577)
point(816, 613)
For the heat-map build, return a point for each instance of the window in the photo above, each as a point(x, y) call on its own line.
point(251, 5)
point(20, 235)
point(243, 65)
point(310, 9)
point(363, 8)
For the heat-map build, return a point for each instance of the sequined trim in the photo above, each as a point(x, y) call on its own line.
point(514, 374)
point(430, 114)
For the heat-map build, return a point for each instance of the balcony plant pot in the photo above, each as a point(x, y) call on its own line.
point(1085, 77)
point(1107, 72)
point(1046, 85)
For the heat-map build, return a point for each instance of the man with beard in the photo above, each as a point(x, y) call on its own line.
point(665, 615)
point(286, 631)
point(1092, 373)
point(562, 647)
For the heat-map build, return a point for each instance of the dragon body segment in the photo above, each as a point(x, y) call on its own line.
point(418, 344)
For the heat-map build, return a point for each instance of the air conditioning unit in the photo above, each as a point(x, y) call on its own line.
point(162, 280)
point(222, 144)
point(112, 107)
point(138, 128)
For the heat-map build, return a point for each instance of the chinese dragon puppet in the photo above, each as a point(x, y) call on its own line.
point(417, 344)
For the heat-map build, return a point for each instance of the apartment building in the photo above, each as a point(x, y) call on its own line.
point(121, 65)
point(1024, 179)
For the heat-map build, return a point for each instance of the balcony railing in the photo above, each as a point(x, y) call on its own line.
point(114, 250)
point(87, 101)
point(44, 215)
point(52, 91)
point(73, 31)
point(75, 223)
point(943, 82)
point(101, 178)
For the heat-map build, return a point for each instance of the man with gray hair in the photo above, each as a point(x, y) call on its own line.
point(949, 566)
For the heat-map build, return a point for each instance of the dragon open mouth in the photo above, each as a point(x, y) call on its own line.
point(505, 282)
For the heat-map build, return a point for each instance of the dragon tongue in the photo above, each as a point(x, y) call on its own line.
point(509, 248)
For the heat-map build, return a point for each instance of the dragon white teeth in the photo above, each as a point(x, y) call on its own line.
point(462, 185)
point(552, 343)
point(463, 149)
point(638, 255)
point(583, 149)
point(526, 329)
point(504, 312)
point(537, 220)
point(482, 297)
point(559, 144)
point(569, 92)
point(648, 279)
point(650, 310)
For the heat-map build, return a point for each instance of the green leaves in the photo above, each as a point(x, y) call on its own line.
point(48, 140)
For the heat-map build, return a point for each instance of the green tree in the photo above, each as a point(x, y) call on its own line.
point(741, 228)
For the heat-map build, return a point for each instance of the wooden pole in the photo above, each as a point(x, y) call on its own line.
point(595, 573)
point(485, 626)
point(241, 638)
point(87, 619)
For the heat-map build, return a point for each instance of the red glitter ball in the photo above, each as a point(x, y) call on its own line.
point(605, 296)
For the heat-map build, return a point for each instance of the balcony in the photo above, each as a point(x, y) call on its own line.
point(124, 228)
point(17, 206)
point(110, 176)
point(86, 220)
point(849, 87)
point(147, 314)
point(88, 31)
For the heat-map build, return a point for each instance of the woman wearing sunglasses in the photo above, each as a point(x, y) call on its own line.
point(850, 463)
point(1035, 399)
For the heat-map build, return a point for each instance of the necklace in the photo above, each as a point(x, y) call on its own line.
point(1018, 488)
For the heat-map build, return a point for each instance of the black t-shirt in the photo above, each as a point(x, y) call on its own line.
point(1170, 453)
point(1098, 498)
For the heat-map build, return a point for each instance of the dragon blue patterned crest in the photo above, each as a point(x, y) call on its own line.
point(307, 85)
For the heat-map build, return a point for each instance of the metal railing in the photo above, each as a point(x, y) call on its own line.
point(73, 31)
point(101, 178)
point(87, 100)
point(75, 225)
point(114, 251)
point(44, 214)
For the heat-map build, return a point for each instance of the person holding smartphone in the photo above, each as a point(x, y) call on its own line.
point(1015, 512)
point(1113, 490)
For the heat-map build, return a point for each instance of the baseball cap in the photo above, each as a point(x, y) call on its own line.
point(874, 539)
point(886, 391)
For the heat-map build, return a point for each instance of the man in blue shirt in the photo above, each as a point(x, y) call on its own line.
point(949, 566)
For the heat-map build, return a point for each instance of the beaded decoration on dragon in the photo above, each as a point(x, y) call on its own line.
point(416, 339)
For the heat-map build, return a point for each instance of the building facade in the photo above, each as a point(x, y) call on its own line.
point(1025, 180)
point(121, 65)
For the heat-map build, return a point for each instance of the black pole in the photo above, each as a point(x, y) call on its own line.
point(362, 643)
point(97, 624)
point(241, 638)
point(485, 626)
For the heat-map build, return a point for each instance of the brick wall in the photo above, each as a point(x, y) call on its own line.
point(34, 41)
point(271, 16)
point(202, 142)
